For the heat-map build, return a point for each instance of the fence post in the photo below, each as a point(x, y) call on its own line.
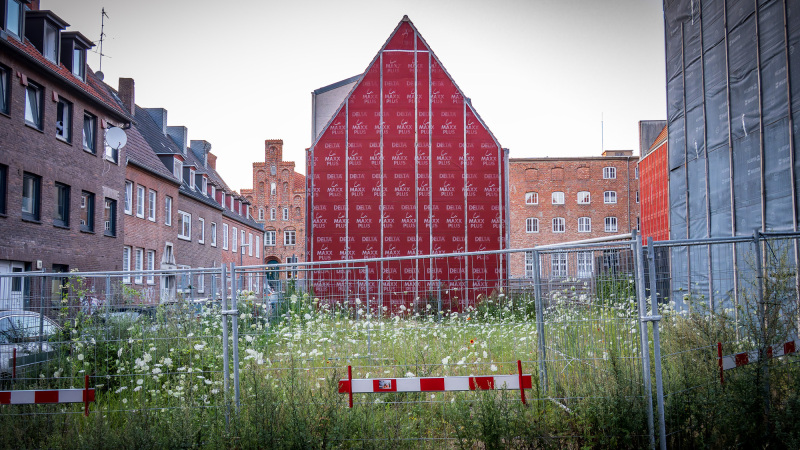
point(235, 326)
point(762, 319)
point(225, 357)
point(539, 305)
point(638, 258)
point(655, 318)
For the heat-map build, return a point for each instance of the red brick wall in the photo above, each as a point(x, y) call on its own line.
point(568, 175)
point(655, 194)
point(25, 149)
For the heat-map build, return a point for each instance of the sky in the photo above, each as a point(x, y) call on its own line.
point(549, 77)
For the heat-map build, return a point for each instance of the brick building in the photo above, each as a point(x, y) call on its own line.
point(278, 201)
point(60, 189)
point(555, 200)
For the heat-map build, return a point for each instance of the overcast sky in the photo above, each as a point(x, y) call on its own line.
point(541, 73)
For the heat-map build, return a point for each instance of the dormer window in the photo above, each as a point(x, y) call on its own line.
point(213, 191)
point(191, 178)
point(205, 185)
point(177, 169)
point(73, 52)
point(79, 63)
point(50, 46)
point(13, 16)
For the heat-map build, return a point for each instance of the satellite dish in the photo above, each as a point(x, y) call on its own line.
point(116, 138)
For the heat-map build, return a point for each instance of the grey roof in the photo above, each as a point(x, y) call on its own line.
point(249, 222)
point(344, 82)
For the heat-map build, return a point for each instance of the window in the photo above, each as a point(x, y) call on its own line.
point(128, 197)
point(585, 264)
point(33, 105)
point(139, 265)
point(79, 63)
point(89, 133)
point(87, 211)
point(584, 224)
point(611, 224)
point(288, 237)
point(222, 198)
point(636, 172)
point(151, 265)
point(31, 196)
point(269, 238)
point(529, 264)
point(4, 87)
point(558, 198)
point(205, 185)
point(213, 234)
point(50, 46)
point(235, 238)
point(584, 198)
point(272, 189)
point(558, 265)
point(201, 284)
point(184, 226)
point(224, 236)
point(64, 120)
point(272, 214)
point(202, 224)
point(168, 211)
point(140, 201)
point(559, 225)
point(191, 178)
point(169, 258)
point(250, 246)
point(126, 263)
point(61, 216)
point(177, 168)
point(151, 205)
point(242, 242)
point(258, 246)
point(285, 213)
point(637, 196)
point(531, 225)
point(110, 218)
point(531, 198)
point(14, 17)
point(3, 188)
point(260, 213)
point(609, 173)
point(610, 197)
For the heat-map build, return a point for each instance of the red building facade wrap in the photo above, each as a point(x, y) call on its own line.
point(654, 191)
point(405, 168)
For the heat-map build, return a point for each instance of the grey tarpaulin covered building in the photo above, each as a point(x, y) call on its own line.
point(733, 99)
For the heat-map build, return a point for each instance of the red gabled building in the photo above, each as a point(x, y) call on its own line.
point(654, 190)
point(406, 167)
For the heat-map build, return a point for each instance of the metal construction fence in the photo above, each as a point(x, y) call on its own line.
point(591, 321)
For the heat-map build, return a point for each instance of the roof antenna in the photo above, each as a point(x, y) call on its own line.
point(102, 36)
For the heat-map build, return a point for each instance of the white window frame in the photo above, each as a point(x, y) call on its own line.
point(260, 213)
point(242, 241)
point(235, 241)
point(128, 197)
point(611, 224)
point(139, 264)
point(557, 198)
point(609, 173)
point(531, 225)
point(184, 226)
point(151, 205)
point(559, 225)
point(289, 237)
point(140, 201)
point(584, 224)
point(636, 172)
point(126, 263)
point(637, 196)
point(213, 234)
point(531, 198)
point(585, 264)
point(177, 168)
point(168, 211)
point(224, 236)
point(270, 238)
point(273, 214)
point(202, 224)
point(559, 266)
point(151, 265)
point(610, 197)
point(191, 178)
point(201, 283)
point(258, 246)
point(529, 264)
point(273, 189)
point(250, 244)
point(285, 213)
point(584, 198)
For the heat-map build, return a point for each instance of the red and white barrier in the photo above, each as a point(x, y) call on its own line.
point(744, 358)
point(43, 397)
point(435, 384)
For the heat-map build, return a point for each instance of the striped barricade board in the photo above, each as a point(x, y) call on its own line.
point(434, 384)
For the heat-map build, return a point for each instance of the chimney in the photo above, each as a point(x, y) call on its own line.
point(212, 160)
point(159, 116)
point(127, 95)
point(180, 136)
point(33, 5)
point(201, 149)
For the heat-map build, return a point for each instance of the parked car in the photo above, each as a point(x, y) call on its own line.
point(20, 330)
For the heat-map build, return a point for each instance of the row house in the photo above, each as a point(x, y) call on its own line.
point(278, 199)
point(557, 200)
point(60, 187)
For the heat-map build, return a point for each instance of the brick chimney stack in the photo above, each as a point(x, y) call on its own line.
point(212, 160)
point(127, 95)
point(34, 5)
